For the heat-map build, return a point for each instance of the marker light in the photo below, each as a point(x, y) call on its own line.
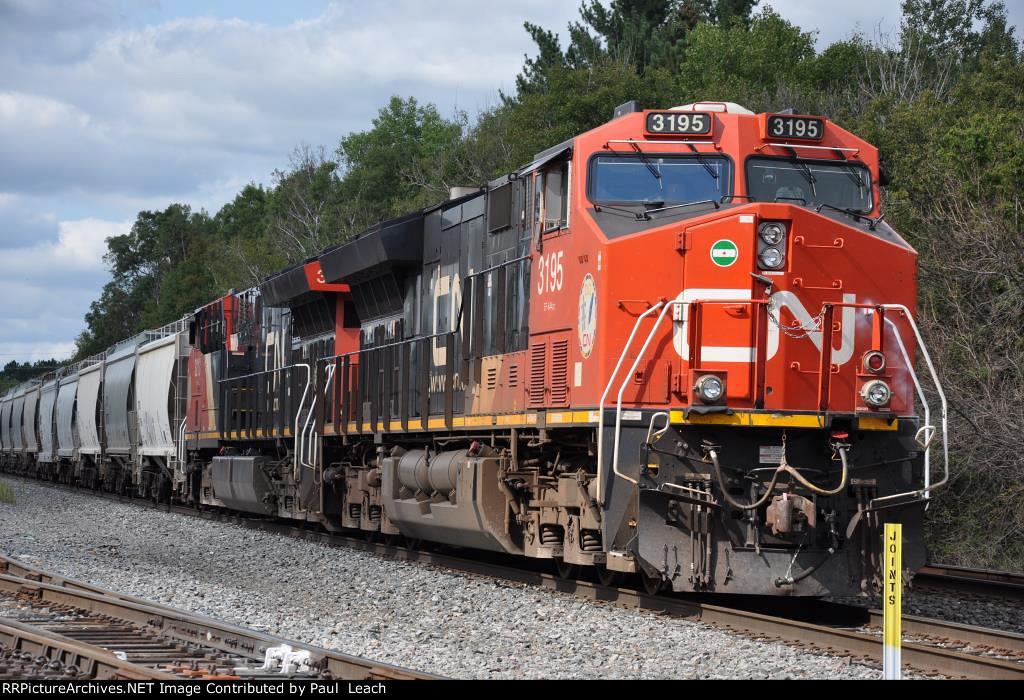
point(874, 362)
point(772, 233)
point(710, 389)
point(772, 258)
point(876, 393)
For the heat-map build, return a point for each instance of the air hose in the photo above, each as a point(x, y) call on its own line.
point(783, 468)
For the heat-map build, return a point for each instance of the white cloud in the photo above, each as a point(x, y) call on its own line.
point(19, 110)
point(47, 286)
point(171, 109)
point(83, 243)
point(21, 223)
point(79, 247)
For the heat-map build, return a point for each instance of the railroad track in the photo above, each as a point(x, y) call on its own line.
point(54, 628)
point(931, 646)
point(998, 584)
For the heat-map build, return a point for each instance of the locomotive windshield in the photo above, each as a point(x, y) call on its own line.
point(658, 180)
point(809, 182)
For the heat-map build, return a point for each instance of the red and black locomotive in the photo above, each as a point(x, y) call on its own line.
point(680, 345)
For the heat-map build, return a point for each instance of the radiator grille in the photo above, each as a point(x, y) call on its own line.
point(538, 351)
point(560, 373)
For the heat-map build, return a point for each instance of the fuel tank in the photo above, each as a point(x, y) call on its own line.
point(448, 497)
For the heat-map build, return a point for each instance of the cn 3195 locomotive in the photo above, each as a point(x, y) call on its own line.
point(680, 345)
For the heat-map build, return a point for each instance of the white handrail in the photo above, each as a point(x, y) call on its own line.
point(920, 393)
point(604, 397)
point(928, 487)
point(625, 382)
point(296, 460)
point(312, 456)
point(181, 451)
point(309, 454)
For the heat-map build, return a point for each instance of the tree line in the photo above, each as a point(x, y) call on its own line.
point(942, 99)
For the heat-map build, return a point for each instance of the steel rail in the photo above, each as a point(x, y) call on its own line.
point(915, 626)
point(43, 588)
point(1001, 584)
point(843, 640)
point(27, 651)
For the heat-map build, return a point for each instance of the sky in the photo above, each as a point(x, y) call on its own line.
point(110, 107)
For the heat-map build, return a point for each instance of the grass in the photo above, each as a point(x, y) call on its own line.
point(6, 493)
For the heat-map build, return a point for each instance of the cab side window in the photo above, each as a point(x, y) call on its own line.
point(538, 204)
point(556, 196)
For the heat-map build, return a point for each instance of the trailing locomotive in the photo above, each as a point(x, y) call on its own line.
point(679, 345)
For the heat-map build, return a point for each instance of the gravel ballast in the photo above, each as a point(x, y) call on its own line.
point(396, 612)
point(982, 611)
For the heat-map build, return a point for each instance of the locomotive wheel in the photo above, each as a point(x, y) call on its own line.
point(371, 536)
point(391, 540)
point(607, 577)
point(652, 584)
point(413, 544)
point(566, 572)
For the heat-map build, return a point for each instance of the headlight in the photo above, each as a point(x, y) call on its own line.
point(876, 393)
point(710, 389)
point(772, 258)
point(772, 233)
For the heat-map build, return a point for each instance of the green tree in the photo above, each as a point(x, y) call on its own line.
point(158, 272)
point(301, 208)
point(959, 29)
point(642, 34)
point(739, 61)
point(407, 160)
point(242, 251)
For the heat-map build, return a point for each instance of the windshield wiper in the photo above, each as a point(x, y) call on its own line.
point(872, 223)
point(851, 172)
point(646, 161)
point(646, 216)
point(804, 170)
point(602, 207)
point(703, 161)
point(647, 204)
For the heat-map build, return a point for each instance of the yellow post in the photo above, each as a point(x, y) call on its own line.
point(892, 600)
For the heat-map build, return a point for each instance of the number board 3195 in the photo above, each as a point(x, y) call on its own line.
point(691, 123)
point(789, 127)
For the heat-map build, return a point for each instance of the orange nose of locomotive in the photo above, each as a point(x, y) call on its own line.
point(790, 309)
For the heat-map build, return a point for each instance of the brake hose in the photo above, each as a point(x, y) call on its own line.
point(725, 492)
point(783, 467)
point(816, 489)
point(789, 579)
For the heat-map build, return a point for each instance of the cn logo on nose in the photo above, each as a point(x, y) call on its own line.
point(783, 299)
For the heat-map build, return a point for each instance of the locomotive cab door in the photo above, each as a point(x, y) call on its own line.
point(719, 260)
